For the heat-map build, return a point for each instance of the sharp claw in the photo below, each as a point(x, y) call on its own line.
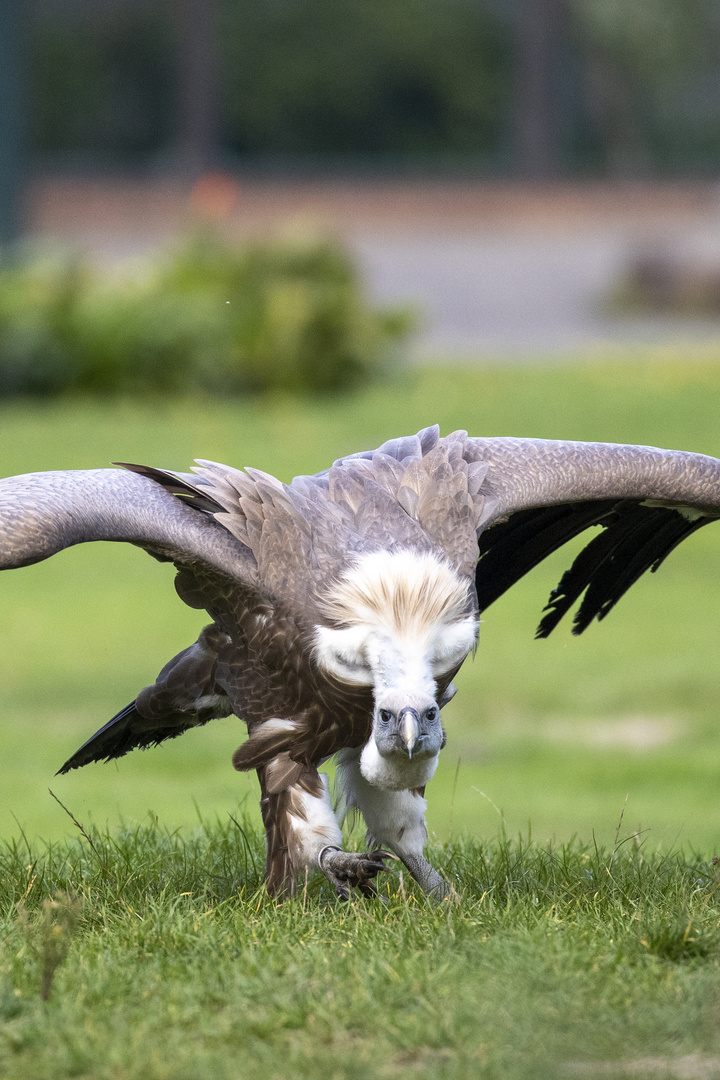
point(348, 871)
point(369, 891)
point(376, 861)
point(382, 854)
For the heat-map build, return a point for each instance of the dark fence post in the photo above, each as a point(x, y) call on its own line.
point(537, 134)
point(198, 86)
point(12, 119)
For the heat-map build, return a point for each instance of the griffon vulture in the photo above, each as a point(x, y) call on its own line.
point(343, 604)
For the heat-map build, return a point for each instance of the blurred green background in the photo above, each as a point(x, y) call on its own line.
point(526, 86)
point(549, 736)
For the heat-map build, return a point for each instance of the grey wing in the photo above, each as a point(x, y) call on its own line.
point(539, 494)
point(497, 507)
point(42, 513)
point(184, 695)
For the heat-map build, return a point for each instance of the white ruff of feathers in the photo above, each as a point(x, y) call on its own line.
point(404, 592)
point(401, 620)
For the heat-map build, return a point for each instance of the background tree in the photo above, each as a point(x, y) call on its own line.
point(12, 118)
point(531, 86)
point(636, 58)
point(538, 34)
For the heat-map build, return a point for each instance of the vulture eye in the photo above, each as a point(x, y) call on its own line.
point(386, 716)
point(431, 714)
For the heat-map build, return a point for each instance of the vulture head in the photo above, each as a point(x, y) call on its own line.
point(402, 622)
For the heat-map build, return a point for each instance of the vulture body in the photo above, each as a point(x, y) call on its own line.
point(343, 604)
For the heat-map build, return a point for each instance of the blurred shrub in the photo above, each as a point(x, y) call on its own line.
point(286, 316)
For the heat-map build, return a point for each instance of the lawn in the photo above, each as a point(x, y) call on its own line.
point(553, 963)
point(550, 741)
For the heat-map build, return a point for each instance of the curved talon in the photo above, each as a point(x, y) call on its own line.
point(370, 892)
point(347, 870)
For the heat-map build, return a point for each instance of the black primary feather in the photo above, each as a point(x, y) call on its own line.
point(509, 550)
point(639, 538)
point(635, 538)
point(182, 485)
point(117, 738)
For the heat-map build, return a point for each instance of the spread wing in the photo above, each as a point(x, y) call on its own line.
point(540, 494)
point(42, 513)
point(498, 506)
point(240, 562)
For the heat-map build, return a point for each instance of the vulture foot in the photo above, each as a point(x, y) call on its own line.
point(427, 877)
point(348, 870)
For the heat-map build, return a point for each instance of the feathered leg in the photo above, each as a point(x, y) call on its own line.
point(303, 834)
point(395, 819)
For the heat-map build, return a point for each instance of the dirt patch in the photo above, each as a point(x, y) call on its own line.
point(688, 1067)
point(639, 733)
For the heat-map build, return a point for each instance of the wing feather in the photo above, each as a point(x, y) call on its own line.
point(42, 513)
point(184, 695)
point(540, 494)
point(639, 539)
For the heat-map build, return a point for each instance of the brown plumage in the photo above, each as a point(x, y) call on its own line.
point(343, 604)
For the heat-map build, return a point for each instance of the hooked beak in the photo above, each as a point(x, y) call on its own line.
point(409, 729)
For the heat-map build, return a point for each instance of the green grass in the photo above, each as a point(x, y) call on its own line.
point(553, 960)
point(556, 954)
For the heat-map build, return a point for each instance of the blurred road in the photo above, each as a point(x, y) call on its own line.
point(496, 270)
point(514, 296)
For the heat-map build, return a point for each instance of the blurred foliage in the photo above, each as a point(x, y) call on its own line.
point(637, 84)
point(308, 76)
point(365, 76)
point(102, 77)
point(654, 38)
point(285, 315)
point(649, 74)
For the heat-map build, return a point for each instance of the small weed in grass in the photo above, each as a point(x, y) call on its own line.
point(48, 936)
